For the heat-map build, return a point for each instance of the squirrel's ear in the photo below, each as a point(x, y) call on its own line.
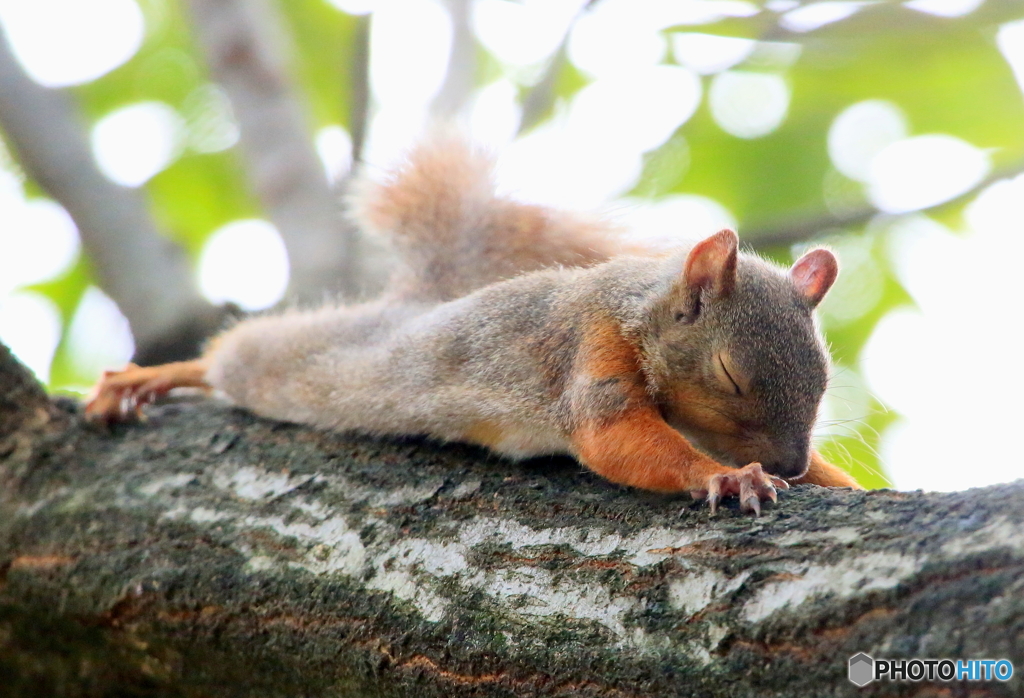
point(813, 274)
point(711, 264)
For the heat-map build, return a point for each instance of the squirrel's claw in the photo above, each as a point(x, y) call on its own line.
point(750, 483)
point(713, 498)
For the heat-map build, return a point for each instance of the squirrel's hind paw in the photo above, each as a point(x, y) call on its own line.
point(115, 397)
point(119, 396)
point(750, 483)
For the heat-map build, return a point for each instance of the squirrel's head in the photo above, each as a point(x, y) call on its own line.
point(736, 357)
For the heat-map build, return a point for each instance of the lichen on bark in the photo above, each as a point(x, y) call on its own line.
point(209, 552)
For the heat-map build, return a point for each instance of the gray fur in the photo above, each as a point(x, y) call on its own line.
point(505, 354)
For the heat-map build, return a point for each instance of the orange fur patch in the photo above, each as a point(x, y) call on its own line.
point(609, 355)
point(634, 447)
point(696, 407)
point(639, 449)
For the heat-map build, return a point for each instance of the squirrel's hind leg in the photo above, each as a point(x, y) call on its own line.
point(120, 395)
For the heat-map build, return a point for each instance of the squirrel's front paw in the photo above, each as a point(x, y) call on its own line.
point(750, 483)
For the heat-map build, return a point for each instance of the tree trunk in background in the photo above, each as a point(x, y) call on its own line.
point(210, 553)
point(247, 52)
point(146, 274)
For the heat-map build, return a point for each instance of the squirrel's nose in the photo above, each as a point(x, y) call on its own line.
point(789, 463)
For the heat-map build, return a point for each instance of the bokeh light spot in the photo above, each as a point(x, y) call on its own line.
point(355, 7)
point(410, 42)
point(495, 114)
point(923, 171)
point(39, 242)
point(593, 152)
point(244, 262)
point(615, 36)
point(641, 110)
point(945, 8)
point(818, 14)
point(553, 165)
point(637, 44)
point(409, 45)
point(861, 132)
point(334, 146)
point(69, 42)
point(99, 336)
point(133, 143)
point(673, 220)
point(210, 120)
point(30, 326)
point(708, 53)
point(966, 288)
point(998, 209)
point(749, 105)
point(1010, 39)
point(523, 33)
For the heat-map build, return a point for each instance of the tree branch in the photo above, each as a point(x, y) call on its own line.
point(246, 53)
point(212, 553)
point(801, 231)
point(460, 79)
point(889, 17)
point(359, 108)
point(540, 98)
point(142, 271)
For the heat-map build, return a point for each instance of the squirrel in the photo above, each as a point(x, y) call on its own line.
point(533, 332)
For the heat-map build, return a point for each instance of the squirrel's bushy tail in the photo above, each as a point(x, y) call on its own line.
point(455, 234)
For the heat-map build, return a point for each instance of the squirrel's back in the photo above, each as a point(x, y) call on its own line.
point(455, 234)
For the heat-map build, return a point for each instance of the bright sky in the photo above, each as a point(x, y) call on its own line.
point(947, 366)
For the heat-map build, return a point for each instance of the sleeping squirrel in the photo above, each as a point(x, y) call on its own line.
point(532, 332)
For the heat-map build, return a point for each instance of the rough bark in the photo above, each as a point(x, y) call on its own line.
point(208, 552)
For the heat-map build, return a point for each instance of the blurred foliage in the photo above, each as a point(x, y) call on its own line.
point(66, 292)
point(324, 62)
point(946, 74)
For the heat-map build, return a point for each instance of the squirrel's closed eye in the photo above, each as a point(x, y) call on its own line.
point(727, 378)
